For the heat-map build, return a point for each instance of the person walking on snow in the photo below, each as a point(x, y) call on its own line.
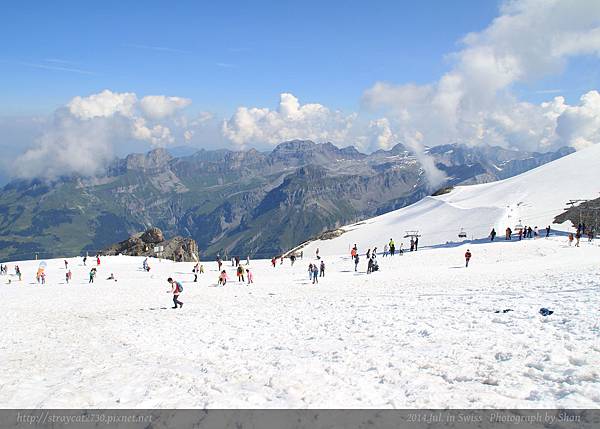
point(385, 250)
point(176, 290)
point(577, 238)
point(322, 269)
point(315, 274)
point(354, 251)
point(68, 276)
point(273, 261)
point(392, 247)
point(240, 273)
point(92, 275)
point(250, 276)
point(570, 238)
point(467, 257)
point(66, 264)
point(416, 243)
point(84, 260)
point(548, 231)
point(492, 234)
point(97, 259)
point(356, 259)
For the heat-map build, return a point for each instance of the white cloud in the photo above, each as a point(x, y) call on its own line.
point(473, 104)
point(83, 135)
point(160, 106)
point(103, 105)
point(290, 121)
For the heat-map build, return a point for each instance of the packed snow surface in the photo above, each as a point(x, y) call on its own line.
point(421, 332)
point(533, 198)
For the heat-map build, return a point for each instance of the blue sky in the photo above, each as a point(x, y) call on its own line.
point(225, 54)
point(106, 78)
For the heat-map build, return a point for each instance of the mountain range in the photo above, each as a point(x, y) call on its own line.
point(236, 202)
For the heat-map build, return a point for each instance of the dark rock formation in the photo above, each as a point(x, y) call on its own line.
point(178, 249)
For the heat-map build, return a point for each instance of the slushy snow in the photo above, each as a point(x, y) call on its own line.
point(424, 331)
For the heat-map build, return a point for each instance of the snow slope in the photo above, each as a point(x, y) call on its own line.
point(421, 332)
point(534, 197)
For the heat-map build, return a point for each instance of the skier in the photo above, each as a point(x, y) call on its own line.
point(548, 231)
point(392, 247)
point(467, 257)
point(322, 269)
point(219, 262)
point(68, 276)
point(492, 234)
point(176, 289)
point(250, 276)
point(66, 264)
point(84, 260)
point(356, 259)
point(97, 259)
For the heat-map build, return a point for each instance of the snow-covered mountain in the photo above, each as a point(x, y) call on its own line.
point(533, 198)
point(423, 331)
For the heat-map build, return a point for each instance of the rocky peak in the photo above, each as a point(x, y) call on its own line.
point(155, 159)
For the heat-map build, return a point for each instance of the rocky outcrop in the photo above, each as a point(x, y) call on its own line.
point(180, 249)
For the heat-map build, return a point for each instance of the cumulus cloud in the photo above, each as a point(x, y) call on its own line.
point(473, 102)
point(82, 136)
point(291, 120)
point(102, 105)
point(159, 106)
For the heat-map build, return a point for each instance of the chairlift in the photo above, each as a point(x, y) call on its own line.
point(519, 226)
point(462, 233)
point(412, 234)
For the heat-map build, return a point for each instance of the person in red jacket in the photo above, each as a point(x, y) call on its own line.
point(467, 257)
point(176, 289)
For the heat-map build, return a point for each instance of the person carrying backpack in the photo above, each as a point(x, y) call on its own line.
point(176, 289)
